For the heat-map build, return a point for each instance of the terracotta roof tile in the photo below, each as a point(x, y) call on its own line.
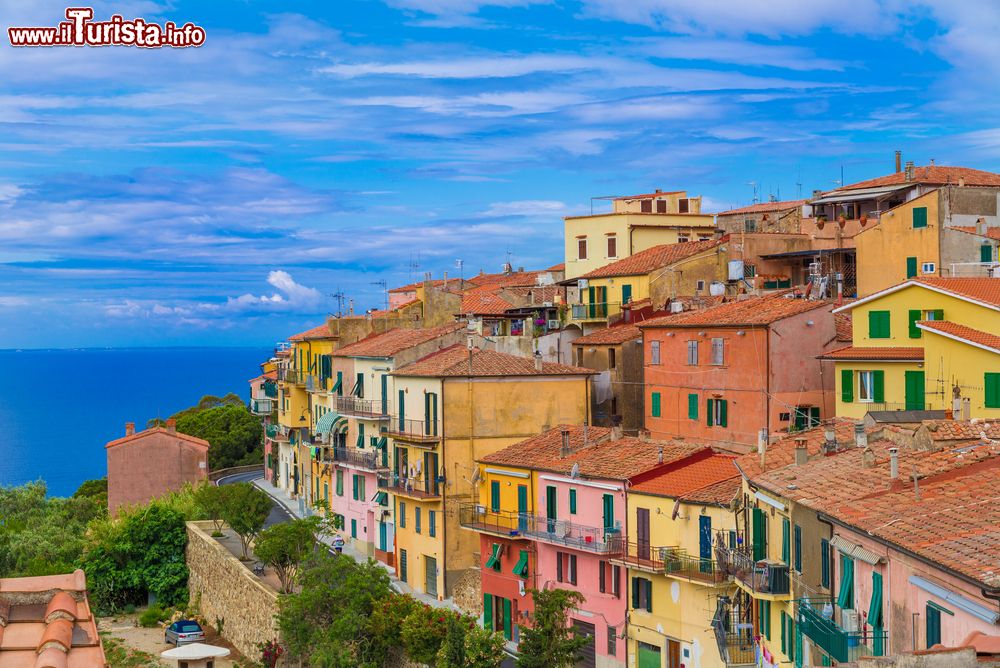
point(765, 207)
point(395, 341)
point(654, 258)
point(610, 336)
point(843, 324)
point(991, 232)
point(955, 330)
point(721, 493)
point(485, 301)
point(540, 293)
point(157, 430)
point(874, 353)
point(932, 175)
point(981, 289)
point(557, 267)
point(318, 332)
point(454, 362)
point(686, 477)
point(961, 430)
point(753, 311)
point(507, 280)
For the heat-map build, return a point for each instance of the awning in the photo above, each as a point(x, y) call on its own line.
point(858, 194)
point(855, 551)
point(329, 421)
point(975, 609)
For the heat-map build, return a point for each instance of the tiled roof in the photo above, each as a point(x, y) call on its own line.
point(933, 175)
point(781, 452)
point(412, 287)
point(527, 278)
point(753, 311)
point(455, 362)
point(609, 336)
point(158, 430)
point(843, 324)
point(991, 232)
point(540, 293)
point(654, 258)
point(955, 330)
point(961, 430)
point(720, 493)
point(394, 341)
point(318, 332)
point(557, 267)
point(981, 289)
point(658, 193)
point(686, 477)
point(618, 459)
point(484, 301)
point(875, 354)
point(765, 207)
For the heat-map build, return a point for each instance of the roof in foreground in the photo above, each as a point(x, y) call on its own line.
point(458, 361)
point(654, 258)
point(984, 291)
point(930, 175)
point(318, 332)
point(742, 312)
point(875, 354)
point(953, 330)
point(593, 451)
point(46, 622)
point(395, 341)
point(609, 336)
point(765, 207)
point(680, 479)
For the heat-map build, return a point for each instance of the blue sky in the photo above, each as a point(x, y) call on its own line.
point(219, 195)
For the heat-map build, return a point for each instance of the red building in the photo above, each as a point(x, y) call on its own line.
point(146, 465)
point(729, 373)
point(506, 604)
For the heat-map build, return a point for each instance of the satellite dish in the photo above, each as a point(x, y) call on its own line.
point(677, 509)
point(575, 471)
point(476, 476)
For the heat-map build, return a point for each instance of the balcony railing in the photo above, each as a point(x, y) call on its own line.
point(576, 536)
point(501, 522)
point(293, 376)
point(680, 564)
point(415, 487)
point(370, 460)
point(734, 638)
point(761, 577)
point(844, 642)
point(413, 430)
point(596, 310)
point(263, 406)
point(976, 269)
point(271, 431)
point(365, 408)
point(315, 383)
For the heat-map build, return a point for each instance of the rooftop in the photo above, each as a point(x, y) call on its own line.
point(485, 301)
point(318, 332)
point(991, 232)
point(169, 431)
point(610, 336)
point(885, 354)
point(514, 278)
point(953, 330)
point(930, 175)
point(984, 291)
point(681, 478)
point(658, 193)
point(843, 324)
point(654, 258)
point(394, 341)
point(743, 312)
point(765, 207)
point(459, 362)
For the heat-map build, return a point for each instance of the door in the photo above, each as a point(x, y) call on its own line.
point(705, 543)
point(609, 512)
point(550, 508)
point(430, 576)
point(402, 565)
point(383, 537)
point(522, 508)
point(588, 657)
point(673, 654)
point(431, 472)
point(626, 293)
point(649, 656)
point(914, 390)
point(642, 532)
point(385, 394)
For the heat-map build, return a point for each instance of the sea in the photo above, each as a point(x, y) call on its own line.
point(61, 406)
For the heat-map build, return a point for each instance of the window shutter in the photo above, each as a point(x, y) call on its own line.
point(488, 611)
point(919, 217)
point(649, 595)
point(797, 548)
point(914, 316)
point(759, 538)
point(693, 406)
point(878, 386)
point(559, 566)
point(785, 539)
point(824, 561)
point(846, 386)
point(986, 253)
point(616, 577)
point(911, 267)
point(572, 569)
point(495, 496)
point(656, 404)
point(709, 413)
point(635, 593)
point(572, 502)
point(723, 413)
point(602, 585)
point(991, 382)
point(784, 639)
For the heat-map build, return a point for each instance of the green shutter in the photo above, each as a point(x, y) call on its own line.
point(709, 413)
point(824, 561)
point(991, 382)
point(878, 325)
point(875, 607)
point(759, 535)
point(609, 512)
point(911, 267)
point(693, 406)
point(508, 631)
point(723, 413)
point(878, 386)
point(919, 217)
point(914, 317)
point(521, 567)
point(846, 386)
point(649, 594)
point(488, 612)
point(656, 404)
point(797, 548)
point(785, 540)
point(933, 619)
point(572, 502)
point(340, 483)
point(986, 253)
point(784, 636)
point(937, 314)
point(635, 593)
point(495, 496)
point(845, 599)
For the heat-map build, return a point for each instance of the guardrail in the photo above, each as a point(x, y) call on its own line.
point(222, 473)
point(263, 406)
point(843, 645)
point(361, 458)
point(506, 523)
point(763, 576)
point(413, 430)
point(415, 487)
point(370, 408)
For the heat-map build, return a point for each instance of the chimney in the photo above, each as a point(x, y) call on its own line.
point(829, 439)
point(817, 194)
point(860, 435)
point(867, 458)
point(762, 448)
point(444, 285)
point(894, 463)
point(909, 170)
point(961, 182)
point(565, 450)
point(171, 425)
point(129, 428)
point(966, 408)
point(538, 361)
point(659, 455)
point(981, 226)
point(801, 452)
point(932, 162)
point(658, 191)
point(899, 161)
point(644, 435)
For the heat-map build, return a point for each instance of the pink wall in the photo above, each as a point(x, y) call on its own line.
point(362, 511)
point(150, 464)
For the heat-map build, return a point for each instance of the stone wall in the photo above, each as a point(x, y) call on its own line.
point(226, 589)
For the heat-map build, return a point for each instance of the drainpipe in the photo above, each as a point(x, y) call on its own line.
point(444, 503)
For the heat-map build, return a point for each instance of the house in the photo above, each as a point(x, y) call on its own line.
point(264, 404)
point(657, 274)
point(768, 217)
point(735, 373)
point(617, 396)
point(47, 621)
point(635, 223)
point(451, 408)
point(927, 343)
point(351, 447)
point(147, 464)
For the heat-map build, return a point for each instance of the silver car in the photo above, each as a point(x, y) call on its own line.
point(182, 632)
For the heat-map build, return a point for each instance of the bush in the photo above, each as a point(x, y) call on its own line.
point(469, 645)
point(153, 616)
point(423, 631)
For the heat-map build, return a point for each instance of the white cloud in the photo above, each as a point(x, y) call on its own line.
point(290, 295)
point(465, 68)
point(531, 207)
point(742, 52)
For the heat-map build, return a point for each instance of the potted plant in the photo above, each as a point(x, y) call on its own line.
point(820, 222)
point(863, 220)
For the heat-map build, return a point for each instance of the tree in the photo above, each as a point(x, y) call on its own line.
point(284, 546)
point(550, 642)
point(468, 645)
point(94, 489)
point(211, 501)
point(245, 510)
point(234, 434)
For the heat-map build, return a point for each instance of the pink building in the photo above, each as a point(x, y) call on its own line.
point(146, 465)
point(264, 404)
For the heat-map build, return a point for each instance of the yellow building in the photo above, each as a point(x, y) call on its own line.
point(927, 344)
point(635, 223)
point(941, 233)
point(449, 409)
point(677, 592)
point(656, 274)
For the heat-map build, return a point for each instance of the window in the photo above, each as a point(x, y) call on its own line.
point(682, 240)
point(683, 205)
point(579, 356)
point(402, 564)
point(928, 268)
point(521, 567)
point(699, 285)
point(572, 502)
point(692, 352)
point(642, 594)
point(611, 358)
point(692, 406)
point(566, 568)
point(785, 540)
point(871, 386)
point(655, 401)
point(911, 267)
point(613, 634)
point(845, 598)
point(493, 561)
point(431, 523)
point(416, 518)
point(718, 412)
point(354, 528)
point(402, 515)
point(797, 548)
point(919, 217)
point(612, 246)
point(340, 482)
point(764, 618)
point(991, 383)
point(581, 248)
point(359, 388)
point(934, 314)
point(718, 349)
point(654, 352)
point(602, 576)
point(661, 206)
point(749, 225)
point(878, 325)
point(933, 622)
point(495, 496)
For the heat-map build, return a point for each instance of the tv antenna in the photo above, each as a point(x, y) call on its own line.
point(755, 186)
point(339, 297)
point(460, 265)
point(382, 284)
point(414, 265)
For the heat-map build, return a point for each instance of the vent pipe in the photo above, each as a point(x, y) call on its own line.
point(659, 455)
point(894, 463)
point(565, 450)
point(829, 439)
point(909, 170)
point(860, 435)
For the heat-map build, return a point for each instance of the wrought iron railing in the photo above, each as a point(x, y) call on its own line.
point(679, 563)
point(263, 406)
point(367, 459)
point(578, 536)
point(762, 576)
point(843, 642)
point(293, 376)
point(595, 310)
point(373, 408)
point(412, 429)
point(417, 486)
point(735, 639)
point(480, 518)
point(641, 555)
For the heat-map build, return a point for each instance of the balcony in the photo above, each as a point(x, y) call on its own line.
point(766, 577)
point(270, 389)
point(575, 536)
point(413, 431)
point(680, 565)
point(419, 488)
point(293, 376)
point(596, 310)
point(735, 637)
point(364, 459)
point(272, 431)
point(263, 406)
point(844, 642)
point(500, 523)
point(371, 409)
point(315, 383)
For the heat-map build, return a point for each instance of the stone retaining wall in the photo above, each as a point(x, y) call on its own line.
point(226, 589)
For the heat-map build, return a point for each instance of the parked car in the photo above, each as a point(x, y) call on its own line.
point(182, 632)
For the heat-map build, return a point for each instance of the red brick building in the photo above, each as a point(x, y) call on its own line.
point(146, 465)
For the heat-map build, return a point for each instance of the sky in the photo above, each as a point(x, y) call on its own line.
point(221, 195)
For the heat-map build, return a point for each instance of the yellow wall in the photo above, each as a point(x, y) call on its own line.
point(509, 482)
point(895, 386)
point(957, 363)
point(883, 248)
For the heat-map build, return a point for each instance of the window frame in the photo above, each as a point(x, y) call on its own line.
point(692, 349)
point(582, 250)
point(654, 352)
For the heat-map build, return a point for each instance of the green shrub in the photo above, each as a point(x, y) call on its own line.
point(153, 616)
point(423, 631)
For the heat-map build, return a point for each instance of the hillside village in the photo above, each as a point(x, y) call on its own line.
point(764, 436)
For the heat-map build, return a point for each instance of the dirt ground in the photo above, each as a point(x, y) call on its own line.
point(123, 627)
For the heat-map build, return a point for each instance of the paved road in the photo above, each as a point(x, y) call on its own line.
point(278, 512)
